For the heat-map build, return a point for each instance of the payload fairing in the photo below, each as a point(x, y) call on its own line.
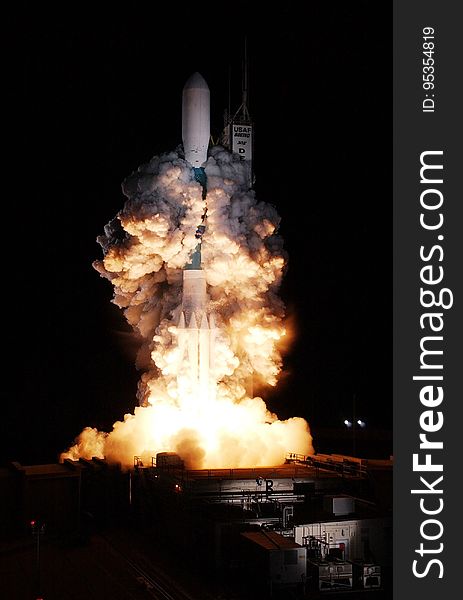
point(196, 122)
point(196, 327)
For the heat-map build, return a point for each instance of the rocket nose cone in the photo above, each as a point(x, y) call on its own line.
point(196, 82)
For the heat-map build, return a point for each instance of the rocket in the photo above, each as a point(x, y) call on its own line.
point(196, 122)
point(196, 326)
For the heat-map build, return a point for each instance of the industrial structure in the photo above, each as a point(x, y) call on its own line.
point(315, 523)
point(312, 525)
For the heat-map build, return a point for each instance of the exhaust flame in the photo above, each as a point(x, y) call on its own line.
point(217, 424)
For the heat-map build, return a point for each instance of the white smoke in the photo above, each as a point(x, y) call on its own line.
point(145, 249)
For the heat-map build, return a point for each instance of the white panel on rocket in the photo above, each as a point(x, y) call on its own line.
point(196, 120)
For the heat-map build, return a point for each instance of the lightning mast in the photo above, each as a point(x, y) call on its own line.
point(238, 129)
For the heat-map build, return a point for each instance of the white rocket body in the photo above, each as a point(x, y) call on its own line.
point(196, 333)
point(196, 328)
point(196, 120)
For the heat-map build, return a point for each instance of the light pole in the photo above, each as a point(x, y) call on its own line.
point(353, 425)
point(38, 529)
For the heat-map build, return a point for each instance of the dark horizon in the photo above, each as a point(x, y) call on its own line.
point(92, 99)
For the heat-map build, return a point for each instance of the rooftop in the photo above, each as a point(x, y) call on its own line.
point(270, 540)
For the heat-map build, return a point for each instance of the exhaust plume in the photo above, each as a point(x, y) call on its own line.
point(145, 250)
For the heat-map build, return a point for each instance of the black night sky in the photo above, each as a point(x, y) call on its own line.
point(90, 96)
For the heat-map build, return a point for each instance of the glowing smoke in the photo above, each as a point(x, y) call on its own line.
point(145, 249)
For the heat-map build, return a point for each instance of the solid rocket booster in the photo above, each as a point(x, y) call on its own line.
point(196, 331)
point(196, 120)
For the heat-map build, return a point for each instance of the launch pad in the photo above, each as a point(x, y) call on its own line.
point(246, 524)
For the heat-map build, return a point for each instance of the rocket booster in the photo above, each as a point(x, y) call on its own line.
point(196, 120)
point(196, 332)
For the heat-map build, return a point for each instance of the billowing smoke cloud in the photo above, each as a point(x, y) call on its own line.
point(145, 249)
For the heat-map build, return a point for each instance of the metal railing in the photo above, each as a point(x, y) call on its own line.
point(344, 465)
